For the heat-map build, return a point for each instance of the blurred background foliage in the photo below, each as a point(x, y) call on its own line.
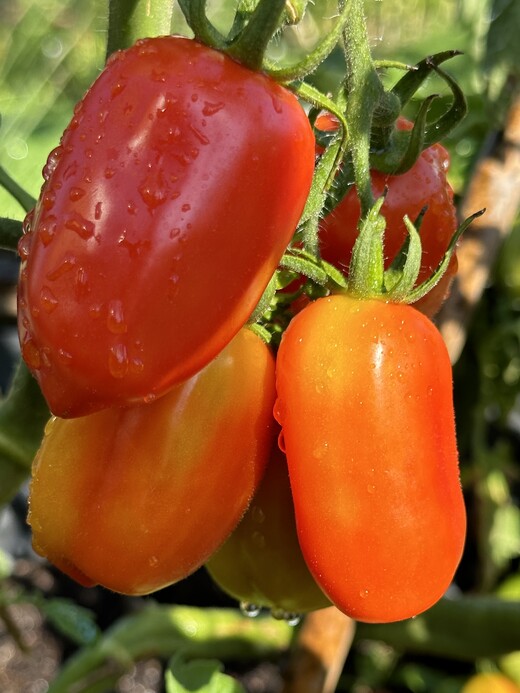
point(51, 50)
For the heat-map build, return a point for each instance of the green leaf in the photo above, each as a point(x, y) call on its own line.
point(201, 676)
point(73, 621)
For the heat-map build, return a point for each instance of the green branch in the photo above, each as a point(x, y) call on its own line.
point(129, 20)
point(468, 628)
point(160, 631)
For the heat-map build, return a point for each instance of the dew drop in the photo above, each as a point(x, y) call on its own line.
point(363, 594)
point(83, 227)
point(118, 361)
point(75, 194)
point(81, 284)
point(118, 88)
point(98, 211)
point(65, 266)
point(151, 397)
point(24, 246)
point(320, 450)
point(109, 172)
point(52, 162)
point(250, 610)
point(210, 108)
point(186, 207)
point(31, 354)
point(47, 230)
point(48, 199)
point(202, 138)
point(371, 488)
point(136, 366)
point(153, 561)
point(49, 425)
point(64, 356)
point(291, 618)
point(28, 222)
point(115, 318)
point(48, 300)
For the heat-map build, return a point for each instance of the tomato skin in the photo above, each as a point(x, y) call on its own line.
point(137, 498)
point(490, 682)
point(425, 183)
point(181, 175)
point(365, 402)
point(261, 562)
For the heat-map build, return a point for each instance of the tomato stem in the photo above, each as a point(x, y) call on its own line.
point(129, 20)
point(10, 233)
point(24, 199)
point(250, 44)
point(363, 91)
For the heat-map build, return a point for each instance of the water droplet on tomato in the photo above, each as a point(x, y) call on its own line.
point(65, 266)
point(24, 246)
point(115, 318)
point(31, 354)
point(64, 356)
point(290, 617)
point(98, 211)
point(81, 284)
point(83, 227)
point(117, 88)
point(48, 300)
point(75, 194)
point(250, 610)
point(109, 172)
point(136, 366)
point(371, 488)
point(52, 162)
point(118, 361)
point(49, 425)
point(363, 594)
point(210, 108)
point(151, 397)
point(157, 76)
point(47, 230)
point(186, 207)
point(153, 561)
point(48, 199)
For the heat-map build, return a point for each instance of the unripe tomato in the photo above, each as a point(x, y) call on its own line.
point(261, 562)
point(175, 189)
point(424, 184)
point(137, 498)
point(492, 682)
point(365, 403)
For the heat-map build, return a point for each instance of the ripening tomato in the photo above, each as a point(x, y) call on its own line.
point(261, 563)
point(164, 212)
point(365, 403)
point(490, 682)
point(424, 184)
point(137, 498)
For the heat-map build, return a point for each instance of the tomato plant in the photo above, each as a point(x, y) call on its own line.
point(261, 563)
point(365, 403)
point(180, 172)
point(423, 187)
point(127, 497)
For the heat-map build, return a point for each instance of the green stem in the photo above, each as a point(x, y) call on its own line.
point(10, 233)
point(251, 43)
point(23, 415)
point(363, 92)
point(466, 628)
point(25, 200)
point(160, 631)
point(129, 20)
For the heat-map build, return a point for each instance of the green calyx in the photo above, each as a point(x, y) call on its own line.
point(368, 278)
point(255, 24)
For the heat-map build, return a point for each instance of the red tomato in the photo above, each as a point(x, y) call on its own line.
point(139, 497)
point(261, 563)
point(365, 402)
point(165, 210)
point(425, 183)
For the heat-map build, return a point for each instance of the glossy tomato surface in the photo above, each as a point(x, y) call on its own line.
point(365, 402)
point(261, 563)
point(424, 184)
point(137, 498)
point(164, 212)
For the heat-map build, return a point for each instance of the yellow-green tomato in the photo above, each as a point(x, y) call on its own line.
point(137, 498)
point(261, 563)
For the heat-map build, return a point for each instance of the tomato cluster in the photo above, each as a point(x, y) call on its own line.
point(164, 213)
